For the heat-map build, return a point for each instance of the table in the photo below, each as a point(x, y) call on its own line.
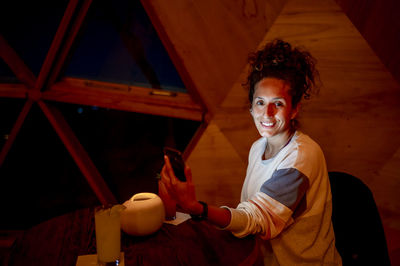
point(59, 241)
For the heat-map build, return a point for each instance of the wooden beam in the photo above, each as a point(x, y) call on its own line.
point(12, 90)
point(125, 97)
point(14, 131)
point(78, 153)
point(70, 38)
point(16, 64)
point(56, 44)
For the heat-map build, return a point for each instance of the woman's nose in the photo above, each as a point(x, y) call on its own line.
point(270, 110)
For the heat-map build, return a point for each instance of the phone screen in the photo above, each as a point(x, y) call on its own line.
point(177, 163)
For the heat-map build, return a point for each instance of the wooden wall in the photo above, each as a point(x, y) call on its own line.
point(378, 22)
point(209, 40)
point(355, 118)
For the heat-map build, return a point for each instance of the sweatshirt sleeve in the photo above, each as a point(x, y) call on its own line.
point(271, 209)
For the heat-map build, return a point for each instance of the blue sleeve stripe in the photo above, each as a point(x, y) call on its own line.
point(288, 186)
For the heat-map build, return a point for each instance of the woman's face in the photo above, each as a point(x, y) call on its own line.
point(272, 108)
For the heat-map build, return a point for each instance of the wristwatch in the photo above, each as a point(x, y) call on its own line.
point(203, 215)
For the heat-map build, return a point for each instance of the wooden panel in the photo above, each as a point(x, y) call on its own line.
point(234, 119)
point(218, 171)
point(379, 24)
point(11, 90)
point(211, 39)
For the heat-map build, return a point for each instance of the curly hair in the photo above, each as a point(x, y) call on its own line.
point(278, 59)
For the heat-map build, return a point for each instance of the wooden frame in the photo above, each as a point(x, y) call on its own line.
point(16, 64)
point(45, 87)
point(125, 97)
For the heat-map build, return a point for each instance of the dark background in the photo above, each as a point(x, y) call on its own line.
point(118, 44)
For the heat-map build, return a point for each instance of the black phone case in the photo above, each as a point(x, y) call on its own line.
point(177, 163)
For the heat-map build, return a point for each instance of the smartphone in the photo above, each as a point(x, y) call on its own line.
point(177, 163)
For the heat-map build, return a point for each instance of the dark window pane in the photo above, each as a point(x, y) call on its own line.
point(119, 44)
point(6, 75)
point(30, 26)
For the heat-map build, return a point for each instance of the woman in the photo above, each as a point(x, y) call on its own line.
point(286, 198)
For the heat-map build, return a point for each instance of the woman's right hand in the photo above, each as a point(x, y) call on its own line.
point(184, 195)
point(182, 192)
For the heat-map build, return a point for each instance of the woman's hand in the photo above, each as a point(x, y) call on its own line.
point(182, 192)
point(184, 195)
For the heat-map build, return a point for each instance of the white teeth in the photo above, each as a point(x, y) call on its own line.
point(267, 124)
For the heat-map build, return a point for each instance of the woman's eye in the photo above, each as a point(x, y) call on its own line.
point(278, 104)
point(259, 102)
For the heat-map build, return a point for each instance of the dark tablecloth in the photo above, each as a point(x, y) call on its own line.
point(61, 240)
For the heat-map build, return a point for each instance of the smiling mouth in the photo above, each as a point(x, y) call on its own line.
point(269, 124)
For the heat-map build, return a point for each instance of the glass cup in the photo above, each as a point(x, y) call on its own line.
point(108, 234)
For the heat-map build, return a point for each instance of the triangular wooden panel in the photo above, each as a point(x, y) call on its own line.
point(218, 171)
point(379, 24)
point(209, 40)
point(234, 119)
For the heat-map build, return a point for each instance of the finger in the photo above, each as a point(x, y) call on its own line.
point(165, 183)
point(169, 168)
point(167, 162)
point(173, 179)
point(188, 174)
point(163, 190)
point(164, 175)
point(165, 178)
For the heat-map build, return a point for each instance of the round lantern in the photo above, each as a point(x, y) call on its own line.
point(144, 214)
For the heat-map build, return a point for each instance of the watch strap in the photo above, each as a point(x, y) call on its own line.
point(204, 213)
